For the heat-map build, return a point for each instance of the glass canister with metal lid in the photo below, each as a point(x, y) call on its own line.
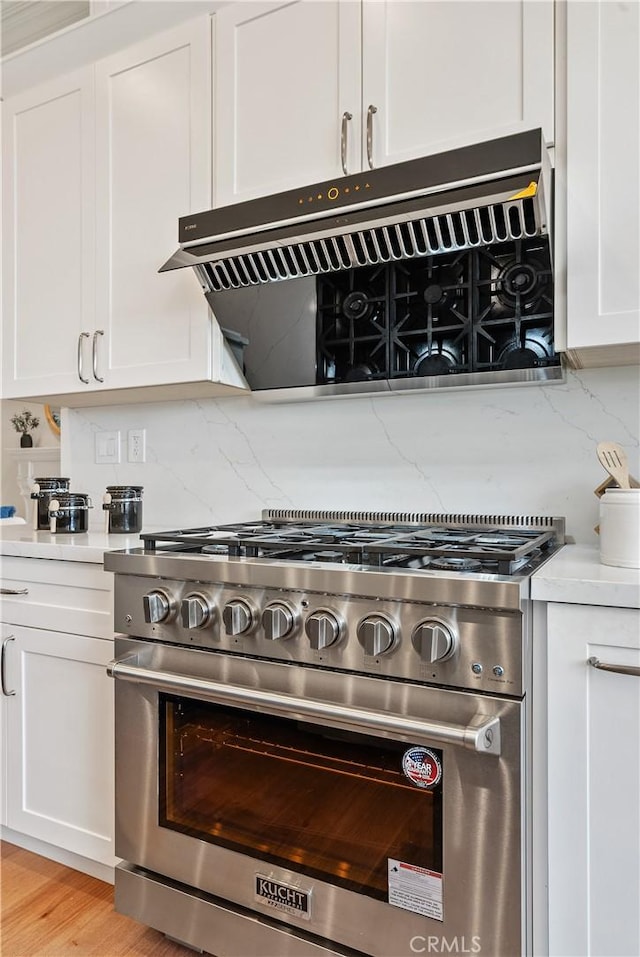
point(45, 488)
point(123, 507)
point(69, 512)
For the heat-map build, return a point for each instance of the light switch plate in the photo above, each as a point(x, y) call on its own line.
point(107, 448)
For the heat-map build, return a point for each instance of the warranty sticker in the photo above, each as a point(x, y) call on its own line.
point(422, 767)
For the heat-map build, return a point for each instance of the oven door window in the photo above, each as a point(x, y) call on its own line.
point(333, 805)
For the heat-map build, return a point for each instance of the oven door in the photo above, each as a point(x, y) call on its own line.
point(380, 815)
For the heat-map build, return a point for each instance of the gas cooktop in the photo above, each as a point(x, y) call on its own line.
point(422, 597)
point(439, 543)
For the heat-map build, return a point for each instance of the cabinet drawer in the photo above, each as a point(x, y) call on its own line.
point(72, 597)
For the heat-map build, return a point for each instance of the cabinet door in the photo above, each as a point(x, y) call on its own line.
point(442, 74)
point(59, 733)
point(594, 782)
point(48, 235)
point(603, 178)
point(285, 74)
point(153, 135)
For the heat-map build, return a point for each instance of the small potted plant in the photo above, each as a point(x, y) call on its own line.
point(25, 423)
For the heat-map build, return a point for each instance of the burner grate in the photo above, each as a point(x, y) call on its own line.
point(458, 548)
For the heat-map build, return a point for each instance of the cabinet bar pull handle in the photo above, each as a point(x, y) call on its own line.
point(343, 140)
point(83, 335)
point(617, 669)
point(14, 591)
point(372, 109)
point(3, 683)
point(98, 332)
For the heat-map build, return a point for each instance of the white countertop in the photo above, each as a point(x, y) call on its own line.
point(575, 575)
point(22, 541)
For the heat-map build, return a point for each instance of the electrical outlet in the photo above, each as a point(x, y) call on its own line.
point(136, 442)
point(107, 448)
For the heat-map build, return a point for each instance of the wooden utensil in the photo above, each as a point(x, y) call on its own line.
point(610, 482)
point(613, 458)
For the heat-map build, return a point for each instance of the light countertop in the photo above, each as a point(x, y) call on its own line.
point(22, 541)
point(575, 576)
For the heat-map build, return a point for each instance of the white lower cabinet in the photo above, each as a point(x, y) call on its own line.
point(56, 640)
point(59, 740)
point(594, 782)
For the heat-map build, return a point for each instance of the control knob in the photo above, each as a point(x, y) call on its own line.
point(237, 617)
point(323, 629)
point(195, 611)
point(376, 635)
point(157, 607)
point(277, 621)
point(433, 640)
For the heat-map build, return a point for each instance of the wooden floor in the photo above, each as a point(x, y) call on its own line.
point(48, 910)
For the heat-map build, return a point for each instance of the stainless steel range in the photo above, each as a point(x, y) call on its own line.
point(324, 732)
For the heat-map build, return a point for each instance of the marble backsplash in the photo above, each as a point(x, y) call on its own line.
point(520, 449)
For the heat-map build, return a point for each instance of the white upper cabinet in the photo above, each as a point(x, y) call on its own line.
point(48, 235)
point(287, 95)
point(153, 136)
point(442, 73)
point(603, 182)
point(414, 77)
point(99, 166)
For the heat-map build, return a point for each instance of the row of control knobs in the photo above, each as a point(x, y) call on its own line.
point(433, 640)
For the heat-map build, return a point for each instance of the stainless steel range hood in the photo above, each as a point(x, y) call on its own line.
point(482, 194)
point(431, 273)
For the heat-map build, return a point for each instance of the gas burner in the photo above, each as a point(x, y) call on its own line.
point(519, 283)
point(328, 556)
point(504, 541)
point(449, 563)
point(214, 549)
point(360, 373)
point(524, 354)
point(433, 294)
point(357, 305)
point(434, 363)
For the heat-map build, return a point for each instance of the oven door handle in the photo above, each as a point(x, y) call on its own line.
point(482, 734)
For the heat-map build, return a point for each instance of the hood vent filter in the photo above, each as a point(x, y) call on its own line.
point(426, 236)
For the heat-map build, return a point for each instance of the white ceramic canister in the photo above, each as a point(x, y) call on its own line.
point(620, 527)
